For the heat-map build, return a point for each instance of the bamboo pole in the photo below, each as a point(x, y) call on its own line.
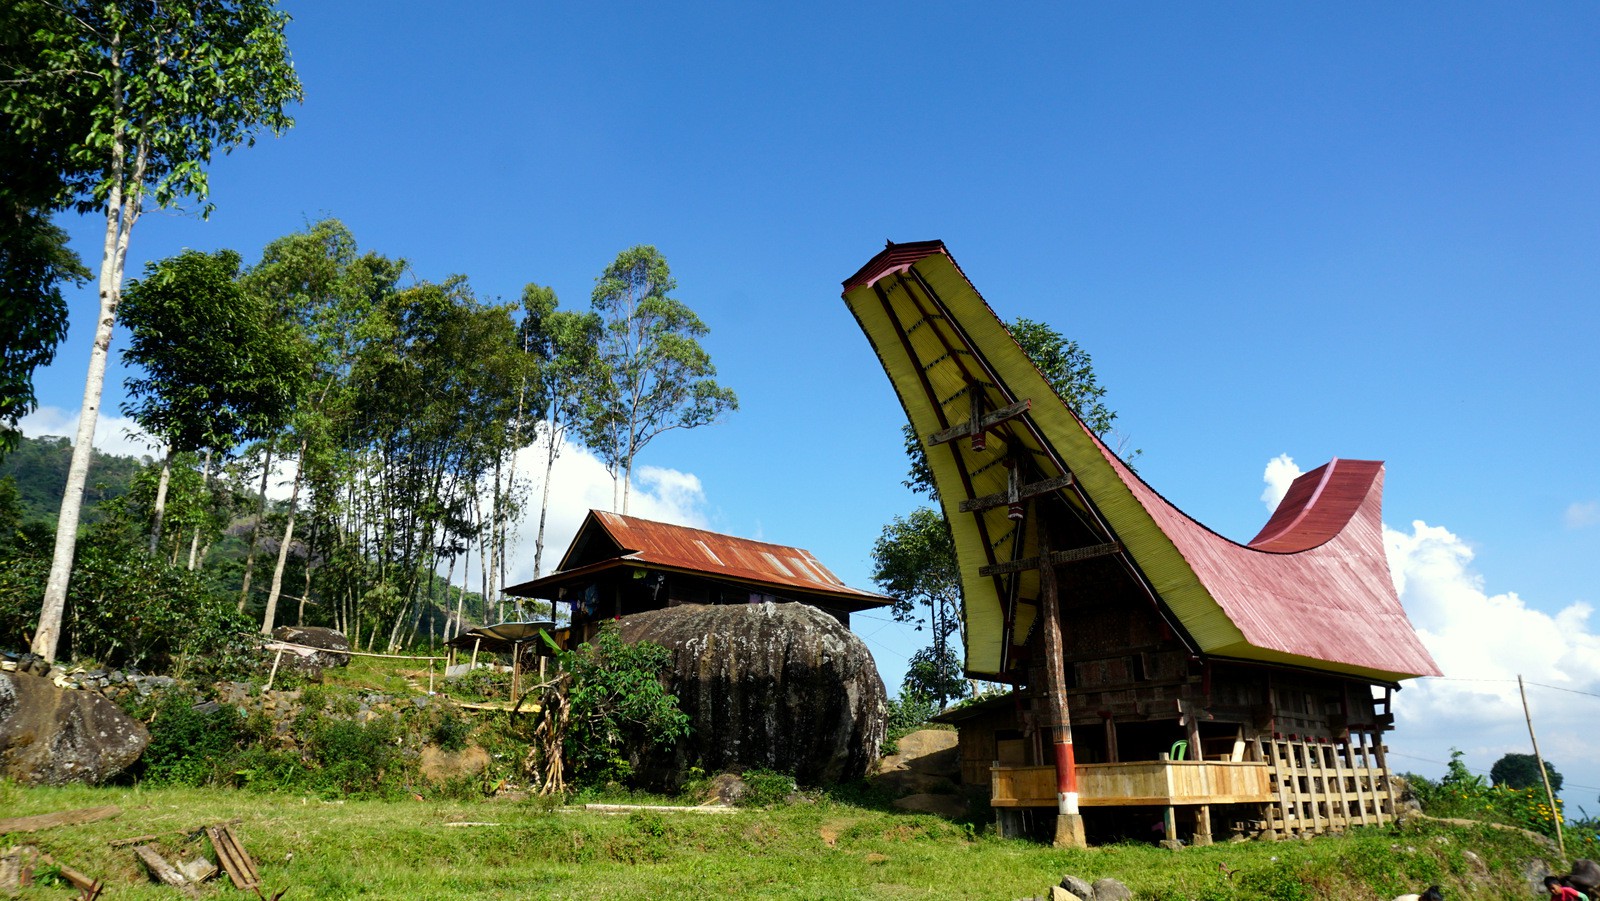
point(1555, 814)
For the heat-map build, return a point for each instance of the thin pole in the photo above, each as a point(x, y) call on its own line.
point(1555, 814)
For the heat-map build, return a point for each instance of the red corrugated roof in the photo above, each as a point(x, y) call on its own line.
point(687, 549)
point(1315, 582)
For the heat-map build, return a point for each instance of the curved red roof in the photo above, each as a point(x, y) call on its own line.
point(1312, 589)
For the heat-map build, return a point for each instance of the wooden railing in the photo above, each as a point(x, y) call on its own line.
point(1140, 783)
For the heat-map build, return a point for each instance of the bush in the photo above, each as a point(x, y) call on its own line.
point(765, 788)
point(189, 746)
point(617, 708)
point(1463, 794)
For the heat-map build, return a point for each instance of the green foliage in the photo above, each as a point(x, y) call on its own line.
point(908, 712)
point(914, 561)
point(189, 746)
point(219, 366)
point(1460, 793)
point(39, 466)
point(654, 375)
point(618, 710)
point(765, 788)
point(1522, 771)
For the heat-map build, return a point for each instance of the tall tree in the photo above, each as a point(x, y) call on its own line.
point(655, 375)
point(34, 258)
point(169, 83)
point(563, 344)
point(220, 366)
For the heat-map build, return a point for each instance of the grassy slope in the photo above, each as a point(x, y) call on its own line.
point(824, 850)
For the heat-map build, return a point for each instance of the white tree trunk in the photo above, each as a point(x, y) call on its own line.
point(121, 213)
point(205, 491)
point(255, 533)
point(161, 500)
point(283, 549)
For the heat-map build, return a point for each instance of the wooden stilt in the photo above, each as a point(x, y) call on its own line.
point(1069, 821)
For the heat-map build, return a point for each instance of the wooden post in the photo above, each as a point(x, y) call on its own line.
point(274, 674)
point(1202, 825)
point(1346, 818)
point(516, 671)
point(1069, 821)
point(1383, 773)
point(1355, 775)
point(1561, 841)
point(477, 642)
point(1292, 772)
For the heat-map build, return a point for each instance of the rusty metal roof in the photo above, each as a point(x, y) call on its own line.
point(609, 540)
point(1313, 589)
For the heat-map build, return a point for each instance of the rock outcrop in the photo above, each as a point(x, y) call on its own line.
point(52, 736)
point(328, 642)
point(779, 686)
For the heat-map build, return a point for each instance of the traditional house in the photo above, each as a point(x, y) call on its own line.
point(1162, 673)
point(618, 564)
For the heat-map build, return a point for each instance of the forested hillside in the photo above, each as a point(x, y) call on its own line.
point(39, 468)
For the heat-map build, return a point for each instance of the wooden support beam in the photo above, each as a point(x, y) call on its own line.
point(1032, 489)
point(985, 423)
point(1056, 558)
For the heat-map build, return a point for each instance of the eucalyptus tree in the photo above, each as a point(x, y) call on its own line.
point(566, 369)
point(167, 83)
point(220, 365)
point(654, 375)
point(320, 281)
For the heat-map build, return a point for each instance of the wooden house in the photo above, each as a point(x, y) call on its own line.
point(1164, 676)
point(619, 564)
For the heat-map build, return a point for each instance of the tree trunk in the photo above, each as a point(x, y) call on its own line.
point(121, 213)
point(305, 590)
point(255, 533)
point(551, 450)
point(161, 501)
point(283, 549)
point(205, 493)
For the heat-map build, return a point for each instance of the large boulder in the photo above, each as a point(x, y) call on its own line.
point(318, 649)
point(52, 736)
point(784, 687)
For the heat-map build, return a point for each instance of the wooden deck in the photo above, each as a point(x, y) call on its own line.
point(1141, 783)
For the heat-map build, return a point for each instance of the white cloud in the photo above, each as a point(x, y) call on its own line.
point(1582, 514)
point(112, 434)
point(580, 482)
point(1482, 642)
point(1280, 474)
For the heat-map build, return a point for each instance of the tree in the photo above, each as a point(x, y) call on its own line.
point(1522, 771)
point(168, 83)
point(655, 376)
point(563, 344)
point(914, 561)
point(34, 258)
point(219, 367)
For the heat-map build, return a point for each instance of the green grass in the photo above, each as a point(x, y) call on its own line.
point(822, 850)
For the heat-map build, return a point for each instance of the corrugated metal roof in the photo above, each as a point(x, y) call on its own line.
point(685, 549)
point(1316, 592)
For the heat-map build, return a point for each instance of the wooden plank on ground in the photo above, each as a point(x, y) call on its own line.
point(162, 870)
point(85, 883)
point(61, 818)
point(235, 860)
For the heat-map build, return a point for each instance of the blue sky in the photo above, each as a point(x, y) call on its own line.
point(1363, 230)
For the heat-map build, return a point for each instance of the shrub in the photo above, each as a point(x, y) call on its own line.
point(617, 709)
point(189, 746)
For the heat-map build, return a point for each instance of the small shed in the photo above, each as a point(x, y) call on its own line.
point(619, 564)
point(1161, 672)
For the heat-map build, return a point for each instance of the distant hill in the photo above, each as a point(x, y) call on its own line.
point(39, 467)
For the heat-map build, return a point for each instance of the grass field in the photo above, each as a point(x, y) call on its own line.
point(823, 849)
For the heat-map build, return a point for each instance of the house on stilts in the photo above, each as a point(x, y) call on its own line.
point(1164, 677)
point(619, 565)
